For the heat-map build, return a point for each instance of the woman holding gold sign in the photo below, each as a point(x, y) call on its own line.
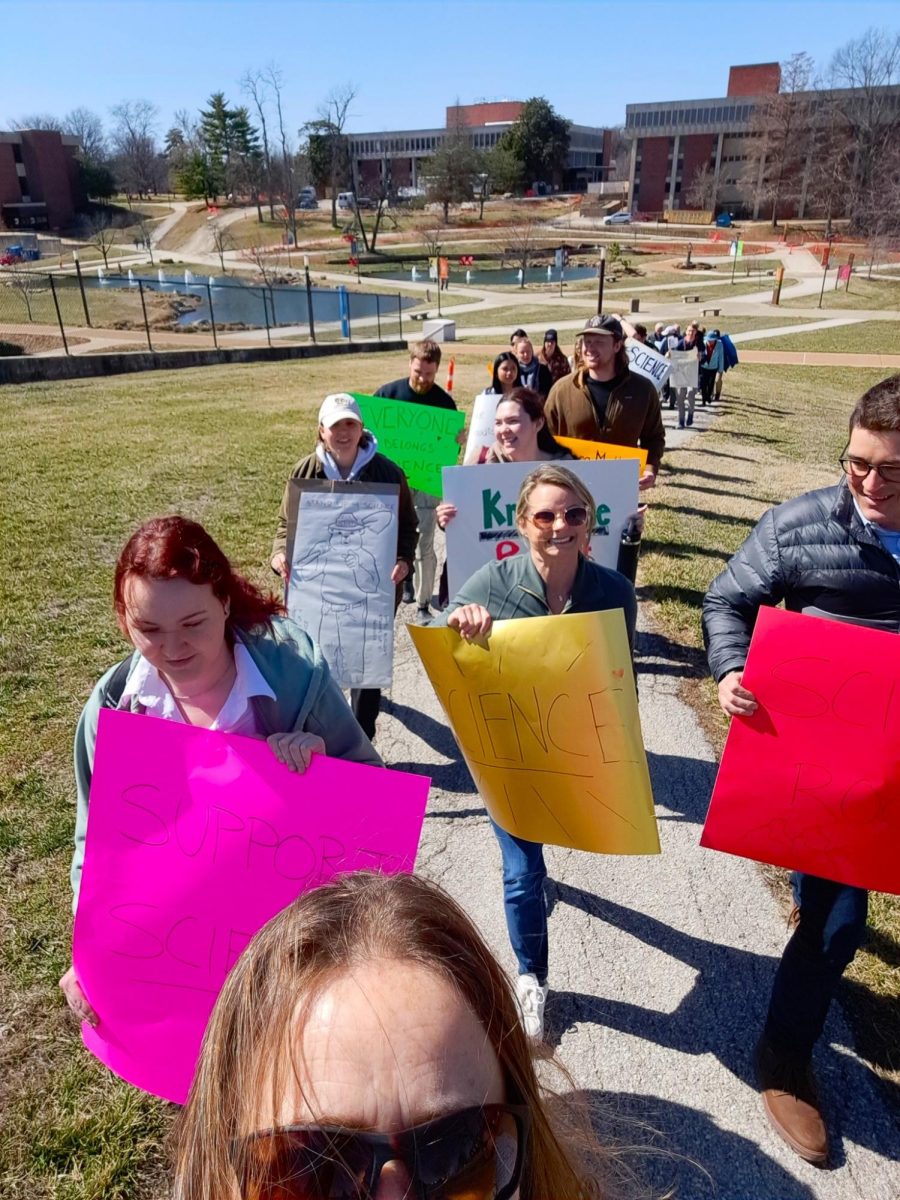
point(554, 514)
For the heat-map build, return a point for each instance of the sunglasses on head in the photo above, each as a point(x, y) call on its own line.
point(574, 516)
point(475, 1154)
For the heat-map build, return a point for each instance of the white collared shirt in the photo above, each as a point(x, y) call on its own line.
point(146, 686)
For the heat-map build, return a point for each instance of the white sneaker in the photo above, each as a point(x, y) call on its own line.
point(532, 997)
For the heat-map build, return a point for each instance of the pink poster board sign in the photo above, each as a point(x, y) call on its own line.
point(812, 780)
point(195, 839)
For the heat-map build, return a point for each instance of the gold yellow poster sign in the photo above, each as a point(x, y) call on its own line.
point(582, 448)
point(546, 716)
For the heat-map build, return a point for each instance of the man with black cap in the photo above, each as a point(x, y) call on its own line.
point(552, 357)
point(603, 401)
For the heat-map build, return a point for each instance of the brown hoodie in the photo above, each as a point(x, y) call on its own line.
point(633, 415)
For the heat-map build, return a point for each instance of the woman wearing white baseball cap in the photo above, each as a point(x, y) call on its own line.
point(346, 450)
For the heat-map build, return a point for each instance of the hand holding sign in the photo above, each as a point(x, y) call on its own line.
point(196, 838)
point(811, 779)
point(546, 716)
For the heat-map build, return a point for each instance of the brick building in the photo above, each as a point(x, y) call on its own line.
point(671, 141)
point(395, 158)
point(38, 179)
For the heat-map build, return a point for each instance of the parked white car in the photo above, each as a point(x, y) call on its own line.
point(618, 218)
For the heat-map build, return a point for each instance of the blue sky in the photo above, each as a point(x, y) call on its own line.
point(407, 60)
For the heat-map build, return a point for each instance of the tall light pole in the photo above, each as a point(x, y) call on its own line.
point(601, 275)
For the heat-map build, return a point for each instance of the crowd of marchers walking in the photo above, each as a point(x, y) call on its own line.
point(367, 1039)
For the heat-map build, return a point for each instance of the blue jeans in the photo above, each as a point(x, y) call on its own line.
point(830, 930)
point(524, 873)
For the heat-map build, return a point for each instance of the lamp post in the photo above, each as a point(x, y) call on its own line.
point(87, 315)
point(309, 301)
point(601, 275)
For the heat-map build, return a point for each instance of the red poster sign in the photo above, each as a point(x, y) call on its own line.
point(812, 780)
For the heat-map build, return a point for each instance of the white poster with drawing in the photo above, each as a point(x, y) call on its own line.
point(644, 361)
point(481, 426)
point(484, 528)
point(685, 369)
point(342, 547)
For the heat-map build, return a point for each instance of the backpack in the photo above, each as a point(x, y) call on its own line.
point(730, 353)
point(115, 685)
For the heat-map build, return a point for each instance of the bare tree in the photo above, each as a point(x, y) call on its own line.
point(222, 240)
point(37, 120)
point(778, 143)
point(521, 243)
point(868, 65)
point(143, 235)
point(102, 231)
point(829, 160)
point(24, 283)
point(134, 144)
point(429, 232)
point(254, 85)
point(701, 191)
point(258, 253)
point(87, 126)
point(330, 125)
point(288, 192)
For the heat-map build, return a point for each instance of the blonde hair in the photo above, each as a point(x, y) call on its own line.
point(557, 477)
point(251, 1041)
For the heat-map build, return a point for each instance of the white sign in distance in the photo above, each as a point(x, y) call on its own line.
point(685, 368)
point(484, 528)
point(645, 361)
point(481, 426)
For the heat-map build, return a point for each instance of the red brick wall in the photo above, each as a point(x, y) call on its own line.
point(9, 180)
point(482, 114)
point(51, 180)
point(651, 190)
point(695, 149)
point(757, 79)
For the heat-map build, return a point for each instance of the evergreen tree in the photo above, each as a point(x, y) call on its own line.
point(539, 139)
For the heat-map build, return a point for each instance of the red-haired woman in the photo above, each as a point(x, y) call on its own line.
point(212, 650)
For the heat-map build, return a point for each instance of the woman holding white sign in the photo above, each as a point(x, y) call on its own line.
point(520, 435)
point(347, 451)
point(554, 514)
point(211, 650)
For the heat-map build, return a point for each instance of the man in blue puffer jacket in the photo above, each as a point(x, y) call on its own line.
point(832, 553)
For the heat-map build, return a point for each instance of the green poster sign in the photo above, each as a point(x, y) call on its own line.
point(417, 437)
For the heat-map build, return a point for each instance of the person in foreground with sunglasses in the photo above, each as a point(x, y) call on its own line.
point(833, 553)
point(366, 1046)
point(555, 514)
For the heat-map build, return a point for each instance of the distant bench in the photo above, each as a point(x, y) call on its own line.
point(709, 312)
point(690, 299)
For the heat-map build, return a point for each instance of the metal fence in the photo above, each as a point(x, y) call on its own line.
point(107, 312)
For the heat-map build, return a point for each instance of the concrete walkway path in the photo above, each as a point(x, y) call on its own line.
point(660, 966)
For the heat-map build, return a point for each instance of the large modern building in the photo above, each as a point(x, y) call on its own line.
point(671, 141)
point(38, 179)
point(394, 159)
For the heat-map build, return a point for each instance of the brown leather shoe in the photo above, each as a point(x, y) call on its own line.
point(791, 1102)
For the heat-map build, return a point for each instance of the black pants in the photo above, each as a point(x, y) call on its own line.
point(707, 383)
point(366, 703)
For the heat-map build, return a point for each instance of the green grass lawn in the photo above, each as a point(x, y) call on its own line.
point(863, 293)
point(85, 463)
point(866, 337)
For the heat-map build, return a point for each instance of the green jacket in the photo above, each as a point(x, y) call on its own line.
point(306, 697)
point(512, 588)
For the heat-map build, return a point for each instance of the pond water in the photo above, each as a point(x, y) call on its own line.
point(238, 303)
point(488, 277)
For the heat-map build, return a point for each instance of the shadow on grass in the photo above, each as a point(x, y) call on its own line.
point(713, 491)
point(660, 592)
point(659, 655)
point(681, 550)
point(690, 448)
point(689, 511)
